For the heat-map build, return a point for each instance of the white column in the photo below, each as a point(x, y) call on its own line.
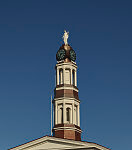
point(71, 117)
point(56, 113)
point(71, 76)
point(64, 112)
point(64, 75)
point(75, 78)
point(55, 79)
point(57, 76)
point(73, 120)
point(78, 114)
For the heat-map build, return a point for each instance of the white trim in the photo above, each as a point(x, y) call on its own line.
point(67, 88)
point(68, 128)
point(74, 144)
point(68, 63)
point(66, 99)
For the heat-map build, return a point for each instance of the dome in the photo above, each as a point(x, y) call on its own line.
point(66, 53)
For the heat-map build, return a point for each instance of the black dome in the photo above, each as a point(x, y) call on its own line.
point(65, 52)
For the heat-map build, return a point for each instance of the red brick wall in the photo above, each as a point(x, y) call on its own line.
point(68, 134)
point(66, 93)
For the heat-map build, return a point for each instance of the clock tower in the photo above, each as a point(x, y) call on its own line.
point(66, 108)
point(66, 101)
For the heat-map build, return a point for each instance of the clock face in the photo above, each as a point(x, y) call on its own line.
point(60, 54)
point(72, 55)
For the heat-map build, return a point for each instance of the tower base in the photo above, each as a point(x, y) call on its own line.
point(67, 131)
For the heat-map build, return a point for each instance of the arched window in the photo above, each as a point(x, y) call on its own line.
point(73, 77)
point(60, 76)
point(68, 115)
point(61, 115)
point(75, 114)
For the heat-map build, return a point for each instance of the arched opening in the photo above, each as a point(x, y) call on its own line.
point(73, 77)
point(60, 76)
point(68, 115)
point(75, 114)
point(61, 115)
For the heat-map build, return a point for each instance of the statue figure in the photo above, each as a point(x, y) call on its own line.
point(65, 37)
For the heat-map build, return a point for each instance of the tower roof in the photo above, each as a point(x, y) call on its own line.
point(66, 53)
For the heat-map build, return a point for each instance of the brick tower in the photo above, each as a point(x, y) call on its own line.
point(66, 101)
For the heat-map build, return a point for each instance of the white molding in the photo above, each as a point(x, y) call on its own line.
point(67, 88)
point(68, 128)
point(66, 99)
point(64, 144)
point(58, 65)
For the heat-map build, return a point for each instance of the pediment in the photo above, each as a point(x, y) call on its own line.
point(52, 143)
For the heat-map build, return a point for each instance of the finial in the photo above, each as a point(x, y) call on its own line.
point(65, 37)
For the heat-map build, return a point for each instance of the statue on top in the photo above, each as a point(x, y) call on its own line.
point(65, 37)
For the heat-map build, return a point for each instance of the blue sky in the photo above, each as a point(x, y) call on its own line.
point(30, 35)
